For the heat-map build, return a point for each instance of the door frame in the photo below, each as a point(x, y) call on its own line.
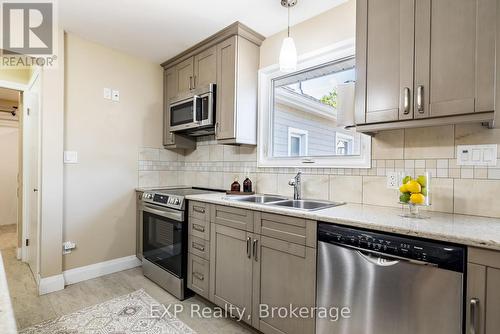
point(26, 168)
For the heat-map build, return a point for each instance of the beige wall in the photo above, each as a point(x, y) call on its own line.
point(8, 172)
point(99, 201)
point(17, 75)
point(336, 25)
point(455, 189)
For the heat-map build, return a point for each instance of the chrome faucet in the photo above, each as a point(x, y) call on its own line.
point(297, 186)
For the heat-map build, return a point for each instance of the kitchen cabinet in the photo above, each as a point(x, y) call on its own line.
point(205, 68)
point(236, 111)
point(170, 91)
point(424, 62)
point(184, 73)
point(231, 268)
point(248, 269)
point(284, 275)
point(229, 58)
point(483, 292)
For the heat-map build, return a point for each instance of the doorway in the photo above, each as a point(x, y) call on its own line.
point(20, 171)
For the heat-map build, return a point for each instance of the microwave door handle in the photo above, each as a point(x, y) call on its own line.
point(195, 102)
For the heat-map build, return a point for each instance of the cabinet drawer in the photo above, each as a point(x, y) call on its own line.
point(233, 217)
point(199, 247)
point(199, 210)
point(297, 230)
point(198, 275)
point(199, 228)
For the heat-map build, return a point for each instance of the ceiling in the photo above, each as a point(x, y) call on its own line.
point(159, 29)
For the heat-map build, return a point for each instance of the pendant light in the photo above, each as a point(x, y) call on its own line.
point(288, 54)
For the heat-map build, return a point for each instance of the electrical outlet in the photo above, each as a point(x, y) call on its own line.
point(107, 93)
point(392, 180)
point(68, 246)
point(115, 95)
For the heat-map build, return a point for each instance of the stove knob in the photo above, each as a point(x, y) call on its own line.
point(177, 201)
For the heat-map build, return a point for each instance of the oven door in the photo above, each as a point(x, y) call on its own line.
point(164, 237)
point(183, 114)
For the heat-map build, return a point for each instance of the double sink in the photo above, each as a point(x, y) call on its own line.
point(304, 205)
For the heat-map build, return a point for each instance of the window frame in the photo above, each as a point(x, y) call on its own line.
point(339, 51)
point(301, 134)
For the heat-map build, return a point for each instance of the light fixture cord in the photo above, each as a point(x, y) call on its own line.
point(288, 6)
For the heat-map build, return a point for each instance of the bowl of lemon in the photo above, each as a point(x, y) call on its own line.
point(414, 192)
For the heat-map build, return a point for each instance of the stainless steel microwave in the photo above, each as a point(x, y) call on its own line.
point(194, 111)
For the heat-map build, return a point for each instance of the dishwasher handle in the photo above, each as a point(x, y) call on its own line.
point(378, 260)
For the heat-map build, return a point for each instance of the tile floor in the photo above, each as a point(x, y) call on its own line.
point(30, 309)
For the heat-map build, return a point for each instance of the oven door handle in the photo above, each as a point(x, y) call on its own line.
point(163, 212)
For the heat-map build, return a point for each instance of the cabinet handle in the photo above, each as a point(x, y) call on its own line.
point(198, 209)
point(190, 83)
point(199, 276)
point(420, 99)
point(249, 251)
point(406, 101)
point(198, 228)
point(199, 247)
point(216, 128)
point(255, 250)
point(474, 316)
point(194, 82)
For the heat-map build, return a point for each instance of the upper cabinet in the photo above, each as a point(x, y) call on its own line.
point(205, 67)
point(424, 62)
point(230, 59)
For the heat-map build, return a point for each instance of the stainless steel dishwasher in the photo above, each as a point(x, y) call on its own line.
point(388, 284)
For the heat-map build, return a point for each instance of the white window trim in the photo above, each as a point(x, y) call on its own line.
point(301, 134)
point(266, 76)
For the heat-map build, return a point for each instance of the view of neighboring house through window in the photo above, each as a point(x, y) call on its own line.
point(306, 112)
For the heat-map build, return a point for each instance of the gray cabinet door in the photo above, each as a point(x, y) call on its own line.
point(476, 284)
point(205, 67)
point(493, 301)
point(385, 40)
point(170, 91)
point(284, 275)
point(226, 89)
point(231, 269)
point(455, 57)
point(184, 76)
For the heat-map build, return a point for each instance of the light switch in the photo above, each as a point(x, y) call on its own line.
point(107, 93)
point(115, 95)
point(477, 155)
point(70, 157)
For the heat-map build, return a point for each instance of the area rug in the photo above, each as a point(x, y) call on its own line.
point(123, 315)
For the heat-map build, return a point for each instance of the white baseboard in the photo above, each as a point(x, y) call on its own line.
point(80, 274)
point(50, 284)
point(19, 254)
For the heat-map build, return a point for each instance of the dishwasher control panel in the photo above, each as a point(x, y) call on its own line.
point(444, 255)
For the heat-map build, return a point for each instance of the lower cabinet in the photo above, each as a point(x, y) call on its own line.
point(483, 292)
point(231, 269)
point(284, 279)
point(262, 278)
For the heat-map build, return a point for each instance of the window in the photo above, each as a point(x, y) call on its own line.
point(303, 115)
point(297, 142)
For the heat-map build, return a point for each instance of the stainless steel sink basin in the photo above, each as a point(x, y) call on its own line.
point(260, 199)
point(307, 205)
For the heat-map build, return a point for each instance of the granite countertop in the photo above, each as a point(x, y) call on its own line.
point(7, 320)
point(462, 229)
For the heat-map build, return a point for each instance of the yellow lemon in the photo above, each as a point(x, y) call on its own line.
point(417, 199)
point(413, 186)
point(403, 188)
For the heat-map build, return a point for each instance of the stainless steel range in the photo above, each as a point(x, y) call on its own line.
point(164, 237)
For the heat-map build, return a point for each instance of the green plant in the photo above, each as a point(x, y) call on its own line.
point(330, 99)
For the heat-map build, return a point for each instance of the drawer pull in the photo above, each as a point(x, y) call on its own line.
point(474, 316)
point(420, 99)
point(199, 247)
point(198, 228)
point(199, 276)
point(406, 101)
point(198, 209)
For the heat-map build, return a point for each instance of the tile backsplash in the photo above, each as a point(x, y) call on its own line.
point(459, 189)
